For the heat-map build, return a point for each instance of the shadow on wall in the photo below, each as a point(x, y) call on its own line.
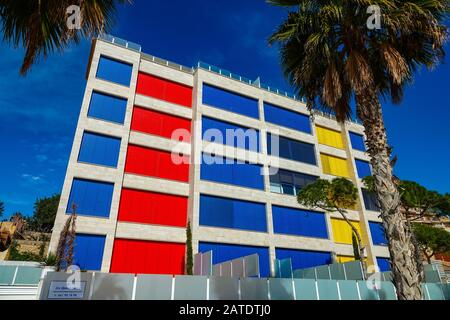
point(109, 290)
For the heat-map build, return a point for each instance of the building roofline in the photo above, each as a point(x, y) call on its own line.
point(207, 67)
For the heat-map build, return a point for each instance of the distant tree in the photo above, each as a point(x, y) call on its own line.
point(432, 240)
point(2, 208)
point(189, 259)
point(44, 214)
point(416, 201)
point(333, 196)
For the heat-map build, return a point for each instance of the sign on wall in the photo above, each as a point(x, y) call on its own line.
point(63, 290)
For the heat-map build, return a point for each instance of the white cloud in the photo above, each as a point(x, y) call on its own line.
point(32, 178)
point(41, 157)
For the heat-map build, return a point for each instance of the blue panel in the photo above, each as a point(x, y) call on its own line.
point(92, 198)
point(384, 264)
point(231, 213)
point(230, 171)
point(287, 118)
point(299, 222)
point(249, 140)
point(99, 149)
point(106, 107)
point(363, 168)
point(370, 201)
point(114, 71)
point(378, 235)
point(302, 259)
point(88, 251)
point(226, 100)
point(225, 252)
point(291, 149)
point(357, 141)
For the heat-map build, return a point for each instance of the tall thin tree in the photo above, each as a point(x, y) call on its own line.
point(64, 251)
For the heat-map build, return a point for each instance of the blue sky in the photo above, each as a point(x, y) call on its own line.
point(39, 112)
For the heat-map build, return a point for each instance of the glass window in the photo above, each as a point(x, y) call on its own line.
point(384, 264)
point(378, 234)
point(363, 168)
point(286, 118)
point(230, 101)
point(115, 71)
point(329, 137)
point(370, 200)
point(291, 149)
point(302, 259)
point(92, 198)
point(88, 251)
point(299, 222)
point(275, 187)
point(289, 182)
point(230, 171)
point(288, 189)
point(242, 137)
point(99, 149)
point(232, 213)
point(107, 107)
point(357, 141)
point(334, 165)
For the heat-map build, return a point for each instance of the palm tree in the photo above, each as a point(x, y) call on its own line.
point(331, 57)
point(40, 26)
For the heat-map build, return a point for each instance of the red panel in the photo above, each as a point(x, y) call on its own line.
point(163, 89)
point(157, 123)
point(153, 208)
point(135, 256)
point(156, 163)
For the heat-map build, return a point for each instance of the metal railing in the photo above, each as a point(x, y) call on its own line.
point(256, 83)
point(120, 42)
point(167, 63)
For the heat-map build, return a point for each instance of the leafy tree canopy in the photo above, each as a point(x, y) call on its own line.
point(2, 208)
point(44, 213)
point(416, 196)
point(431, 239)
point(329, 195)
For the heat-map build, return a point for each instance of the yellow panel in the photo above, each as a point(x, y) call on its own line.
point(330, 137)
point(344, 259)
point(334, 165)
point(342, 232)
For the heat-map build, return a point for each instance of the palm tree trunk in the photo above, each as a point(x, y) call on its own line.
point(401, 247)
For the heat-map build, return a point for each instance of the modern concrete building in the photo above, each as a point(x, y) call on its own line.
point(133, 199)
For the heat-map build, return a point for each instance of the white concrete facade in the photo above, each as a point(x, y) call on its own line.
point(112, 229)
